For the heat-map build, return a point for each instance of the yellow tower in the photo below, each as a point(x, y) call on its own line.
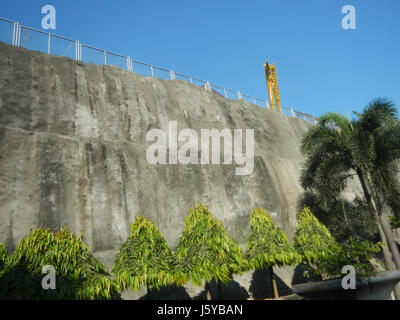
point(272, 85)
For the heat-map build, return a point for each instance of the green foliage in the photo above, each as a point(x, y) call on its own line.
point(324, 255)
point(395, 222)
point(78, 274)
point(267, 245)
point(313, 240)
point(206, 250)
point(145, 259)
point(3, 255)
point(345, 219)
point(356, 253)
point(368, 147)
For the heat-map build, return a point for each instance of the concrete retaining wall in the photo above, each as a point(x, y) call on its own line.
point(73, 153)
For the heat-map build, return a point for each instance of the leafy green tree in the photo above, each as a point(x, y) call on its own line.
point(314, 243)
point(367, 148)
point(357, 254)
point(268, 245)
point(3, 255)
point(146, 259)
point(78, 274)
point(206, 250)
point(345, 218)
point(324, 255)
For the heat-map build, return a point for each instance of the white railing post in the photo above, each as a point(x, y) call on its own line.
point(172, 75)
point(207, 86)
point(14, 32)
point(152, 71)
point(240, 96)
point(129, 65)
point(293, 113)
point(105, 57)
point(225, 93)
point(76, 50)
point(267, 105)
point(18, 34)
point(48, 44)
point(191, 80)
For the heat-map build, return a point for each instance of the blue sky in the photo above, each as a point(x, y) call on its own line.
point(321, 67)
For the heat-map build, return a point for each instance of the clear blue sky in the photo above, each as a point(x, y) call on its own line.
point(321, 67)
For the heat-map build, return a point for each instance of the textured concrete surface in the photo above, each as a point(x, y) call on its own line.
point(73, 153)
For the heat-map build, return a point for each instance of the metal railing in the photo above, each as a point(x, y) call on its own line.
point(33, 39)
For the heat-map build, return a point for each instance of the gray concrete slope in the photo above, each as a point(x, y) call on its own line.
point(73, 153)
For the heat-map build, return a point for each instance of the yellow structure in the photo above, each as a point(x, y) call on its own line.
point(272, 85)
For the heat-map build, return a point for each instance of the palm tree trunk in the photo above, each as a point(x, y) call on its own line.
point(390, 265)
point(388, 261)
point(273, 282)
point(366, 186)
point(390, 239)
point(377, 203)
point(208, 293)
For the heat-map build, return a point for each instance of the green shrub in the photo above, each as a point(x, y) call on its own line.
point(78, 274)
point(313, 240)
point(355, 253)
point(3, 255)
point(268, 245)
point(326, 257)
point(146, 259)
point(206, 250)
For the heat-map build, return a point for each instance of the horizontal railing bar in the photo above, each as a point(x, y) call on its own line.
point(142, 63)
point(230, 90)
point(33, 29)
point(182, 75)
point(160, 68)
point(250, 97)
point(115, 54)
point(4, 19)
point(60, 37)
point(216, 86)
point(90, 47)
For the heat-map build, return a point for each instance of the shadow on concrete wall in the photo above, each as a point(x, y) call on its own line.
point(299, 277)
point(261, 288)
point(230, 291)
point(173, 292)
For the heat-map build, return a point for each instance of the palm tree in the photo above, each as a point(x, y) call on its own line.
point(268, 246)
point(368, 148)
